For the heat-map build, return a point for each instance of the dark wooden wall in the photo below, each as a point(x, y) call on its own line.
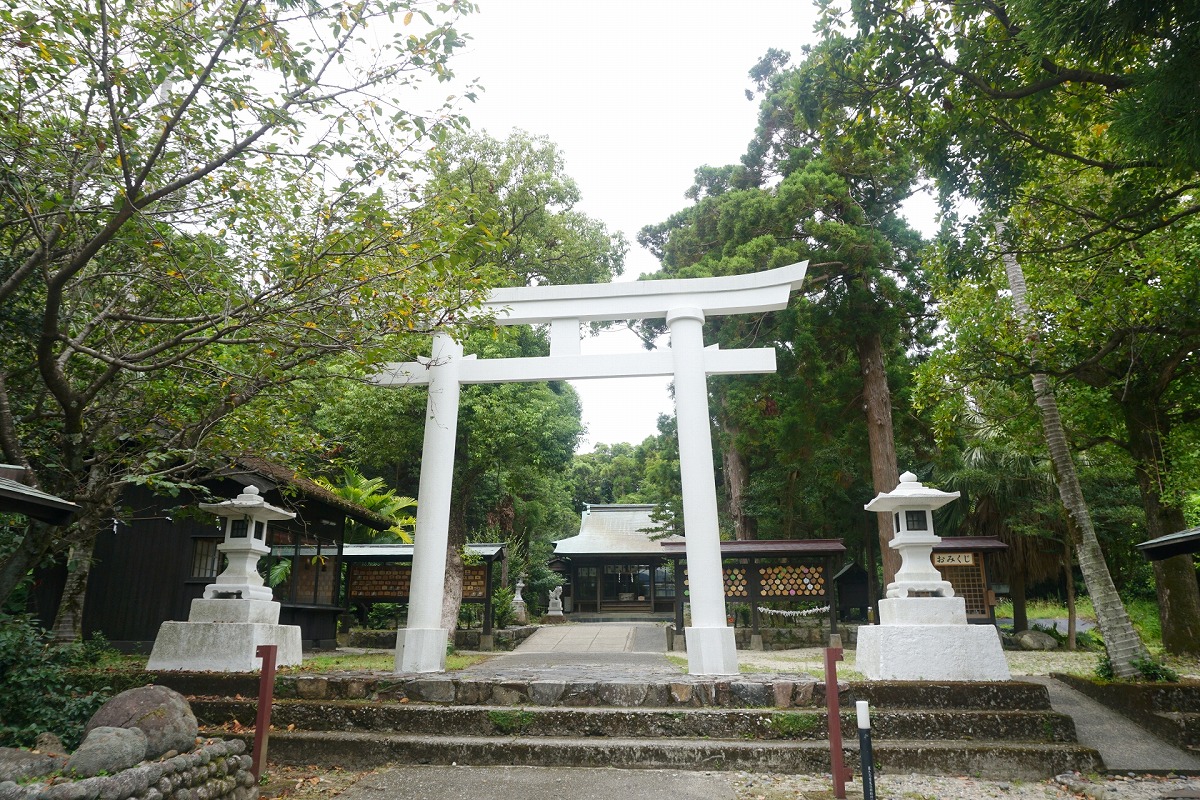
point(142, 571)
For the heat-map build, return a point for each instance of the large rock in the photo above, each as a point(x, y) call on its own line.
point(1035, 640)
point(21, 765)
point(161, 713)
point(107, 750)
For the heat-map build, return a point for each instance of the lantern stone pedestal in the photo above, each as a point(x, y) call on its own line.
point(236, 614)
point(195, 646)
point(923, 632)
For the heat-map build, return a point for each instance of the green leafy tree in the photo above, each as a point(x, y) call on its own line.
point(805, 191)
point(515, 441)
point(373, 495)
point(200, 206)
point(1045, 122)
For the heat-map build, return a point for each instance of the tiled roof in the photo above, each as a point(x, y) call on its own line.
point(615, 530)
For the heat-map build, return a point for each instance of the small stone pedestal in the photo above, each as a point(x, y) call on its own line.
point(554, 611)
point(929, 639)
point(520, 610)
point(223, 636)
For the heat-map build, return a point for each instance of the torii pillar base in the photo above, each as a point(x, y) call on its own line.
point(711, 651)
point(421, 649)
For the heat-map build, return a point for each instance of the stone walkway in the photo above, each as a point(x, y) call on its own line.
point(1124, 746)
point(601, 652)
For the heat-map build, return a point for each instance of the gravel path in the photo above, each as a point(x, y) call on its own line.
point(754, 786)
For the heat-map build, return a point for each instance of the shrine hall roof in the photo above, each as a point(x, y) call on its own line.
point(613, 530)
point(769, 547)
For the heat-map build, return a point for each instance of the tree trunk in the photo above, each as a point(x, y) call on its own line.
point(1069, 581)
point(68, 622)
point(877, 404)
point(1016, 588)
point(1121, 640)
point(1174, 578)
point(24, 558)
point(737, 479)
point(452, 588)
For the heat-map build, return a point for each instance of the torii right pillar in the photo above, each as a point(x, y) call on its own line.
point(711, 647)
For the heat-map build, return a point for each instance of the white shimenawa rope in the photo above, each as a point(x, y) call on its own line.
point(804, 613)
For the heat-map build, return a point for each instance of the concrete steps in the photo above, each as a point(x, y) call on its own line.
point(757, 724)
point(994, 730)
point(368, 750)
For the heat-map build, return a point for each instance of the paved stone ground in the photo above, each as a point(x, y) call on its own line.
point(614, 652)
point(533, 783)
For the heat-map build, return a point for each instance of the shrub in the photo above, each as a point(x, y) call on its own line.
point(502, 608)
point(1148, 670)
point(38, 691)
point(384, 616)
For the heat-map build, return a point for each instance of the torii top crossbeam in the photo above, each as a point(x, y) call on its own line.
point(596, 302)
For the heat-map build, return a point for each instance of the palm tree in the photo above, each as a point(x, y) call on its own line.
point(1120, 639)
point(371, 494)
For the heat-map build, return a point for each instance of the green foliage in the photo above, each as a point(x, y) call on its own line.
point(38, 690)
point(373, 495)
point(510, 722)
point(794, 724)
point(1147, 669)
point(806, 189)
point(383, 616)
point(204, 226)
point(502, 609)
point(1084, 640)
point(280, 572)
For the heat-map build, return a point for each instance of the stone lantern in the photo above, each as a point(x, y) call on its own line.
point(246, 517)
point(911, 506)
point(923, 632)
point(237, 613)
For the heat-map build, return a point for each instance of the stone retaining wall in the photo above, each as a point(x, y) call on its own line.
point(808, 633)
point(502, 638)
point(219, 770)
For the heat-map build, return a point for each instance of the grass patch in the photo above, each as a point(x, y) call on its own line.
point(371, 662)
point(1143, 613)
point(1049, 609)
point(510, 722)
point(792, 725)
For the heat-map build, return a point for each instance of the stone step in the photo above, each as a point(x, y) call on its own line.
point(747, 724)
point(370, 750)
point(755, 690)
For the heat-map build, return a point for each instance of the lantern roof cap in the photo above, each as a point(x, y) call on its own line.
point(910, 494)
point(249, 503)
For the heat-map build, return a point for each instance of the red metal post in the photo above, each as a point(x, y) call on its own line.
point(837, 758)
point(266, 696)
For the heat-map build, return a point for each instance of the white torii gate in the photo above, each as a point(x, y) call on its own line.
point(421, 646)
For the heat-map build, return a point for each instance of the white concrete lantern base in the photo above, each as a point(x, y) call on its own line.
point(421, 649)
point(928, 639)
point(923, 611)
point(221, 646)
point(711, 651)
point(265, 612)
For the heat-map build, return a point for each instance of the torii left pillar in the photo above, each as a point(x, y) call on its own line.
point(421, 646)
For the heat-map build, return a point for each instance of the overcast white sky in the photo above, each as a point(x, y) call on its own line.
point(637, 95)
